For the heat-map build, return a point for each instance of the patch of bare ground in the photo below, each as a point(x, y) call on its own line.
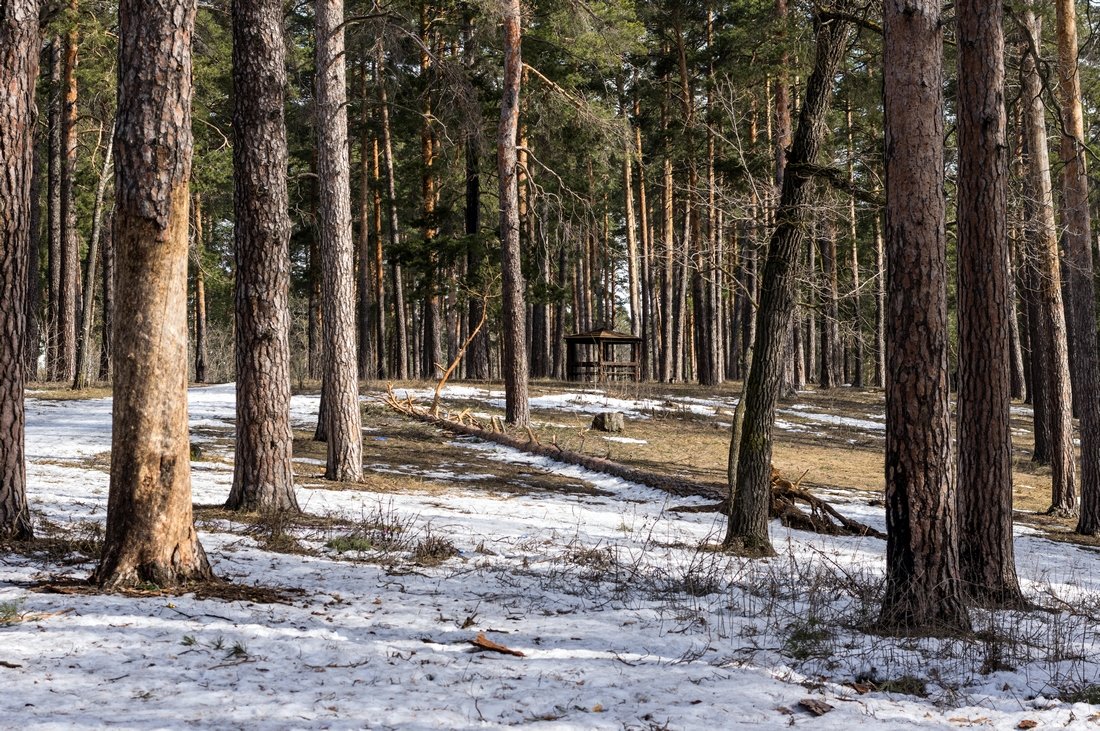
point(405, 456)
point(214, 589)
point(678, 442)
point(56, 391)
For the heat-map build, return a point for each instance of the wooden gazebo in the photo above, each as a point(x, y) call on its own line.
point(596, 356)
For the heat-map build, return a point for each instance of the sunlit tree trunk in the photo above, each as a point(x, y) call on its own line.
point(150, 536)
point(514, 345)
point(1085, 369)
point(343, 430)
point(1051, 397)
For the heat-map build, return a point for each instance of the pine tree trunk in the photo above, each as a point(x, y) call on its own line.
point(748, 520)
point(477, 357)
point(150, 535)
point(431, 355)
point(1051, 395)
point(54, 228)
point(201, 353)
point(378, 311)
point(986, 555)
point(400, 329)
point(633, 269)
point(263, 475)
point(365, 254)
point(341, 387)
point(514, 343)
point(1078, 247)
point(87, 314)
point(19, 50)
point(33, 307)
point(68, 294)
point(830, 376)
point(668, 267)
point(108, 279)
point(857, 300)
point(923, 588)
point(880, 305)
point(315, 323)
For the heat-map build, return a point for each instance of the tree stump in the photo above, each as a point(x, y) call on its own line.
point(609, 421)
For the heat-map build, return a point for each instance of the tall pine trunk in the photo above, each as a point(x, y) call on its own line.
point(343, 422)
point(87, 312)
point(263, 476)
point(150, 535)
point(748, 520)
point(19, 51)
point(198, 256)
point(923, 588)
point(1078, 246)
point(514, 344)
point(1051, 397)
point(986, 554)
point(68, 293)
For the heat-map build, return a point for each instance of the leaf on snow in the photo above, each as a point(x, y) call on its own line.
point(814, 706)
point(484, 643)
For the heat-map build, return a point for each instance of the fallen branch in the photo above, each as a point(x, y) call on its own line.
point(672, 485)
point(786, 496)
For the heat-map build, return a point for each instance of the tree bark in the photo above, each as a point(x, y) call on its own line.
point(19, 49)
point(748, 521)
point(400, 330)
point(68, 293)
point(150, 535)
point(1051, 396)
point(514, 345)
point(201, 353)
point(986, 556)
point(33, 308)
point(365, 251)
point(1078, 246)
point(108, 279)
point(54, 228)
point(87, 314)
point(263, 475)
point(343, 425)
point(857, 300)
point(880, 305)
point(830, 375)
point(923, 588)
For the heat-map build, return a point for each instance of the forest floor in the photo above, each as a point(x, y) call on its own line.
point(375, 608)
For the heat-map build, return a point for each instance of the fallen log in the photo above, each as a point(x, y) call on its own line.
point(531, 445)
point(786, 496)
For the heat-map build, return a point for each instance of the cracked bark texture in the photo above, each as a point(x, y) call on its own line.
point(18, 71)
point(986, 556)
point(1051, 378)
point(263, 478)
point(1078, 236)
point(150, 536)
point(748, 521)
point(923, 591)
point(343, 424)
point(69, 291)
point(514, 344)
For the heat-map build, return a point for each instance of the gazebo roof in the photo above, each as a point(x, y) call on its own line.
point(600, 335)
